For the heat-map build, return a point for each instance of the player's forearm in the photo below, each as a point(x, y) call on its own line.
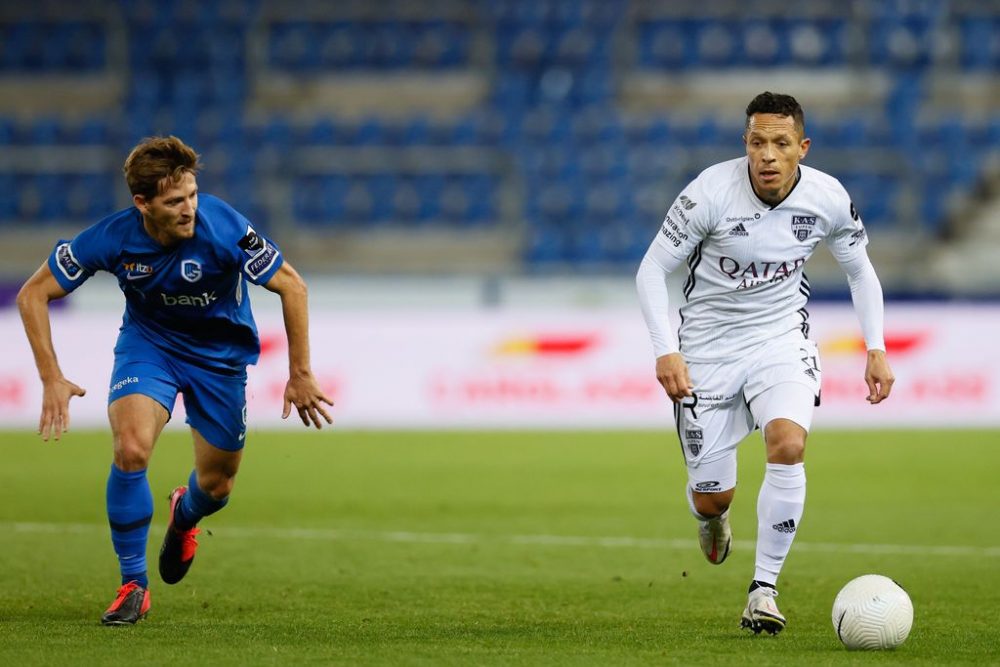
point(34, 308)
point(295, 311)
point(651, 284)
point(866, 294)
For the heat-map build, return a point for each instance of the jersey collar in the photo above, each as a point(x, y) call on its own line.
point(761, 202)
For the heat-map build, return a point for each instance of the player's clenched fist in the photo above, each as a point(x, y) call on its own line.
point(672, 373)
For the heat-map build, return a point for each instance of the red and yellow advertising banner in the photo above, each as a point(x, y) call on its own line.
point(561, 369)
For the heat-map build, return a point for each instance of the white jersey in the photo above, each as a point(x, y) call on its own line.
point(746, 283)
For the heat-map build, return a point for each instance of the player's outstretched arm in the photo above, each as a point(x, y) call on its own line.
point(302, 390)
point(866, 293)
point(33, 303)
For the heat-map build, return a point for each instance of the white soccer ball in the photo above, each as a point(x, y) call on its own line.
point(872, 612)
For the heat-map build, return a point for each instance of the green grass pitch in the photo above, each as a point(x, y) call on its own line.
point(529, 548)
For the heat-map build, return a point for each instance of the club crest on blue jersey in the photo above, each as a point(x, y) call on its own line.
point(802, 226)
point(191, 270)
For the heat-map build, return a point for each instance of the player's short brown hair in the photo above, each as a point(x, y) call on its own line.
point(782, 105)
point(156, 161)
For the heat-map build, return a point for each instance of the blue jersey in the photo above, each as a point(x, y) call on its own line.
point(190, 299)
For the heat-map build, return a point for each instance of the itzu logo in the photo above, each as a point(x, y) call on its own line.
point(191, 270)
point(802, 226)
point(137, 270)
point(687, 203)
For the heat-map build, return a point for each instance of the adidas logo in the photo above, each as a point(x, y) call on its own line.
point(739, 230)
point(785, 526)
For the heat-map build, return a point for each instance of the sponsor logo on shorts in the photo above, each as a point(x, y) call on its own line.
point(693, 438)
point(811, 362)
point(67, 262)
point(707, 486)
point(123, 382)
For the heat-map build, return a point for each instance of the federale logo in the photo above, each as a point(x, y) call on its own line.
point(67, 262)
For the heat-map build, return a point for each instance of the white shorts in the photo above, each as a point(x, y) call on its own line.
point(780, 379)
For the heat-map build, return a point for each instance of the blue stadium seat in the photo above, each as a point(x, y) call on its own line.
point(546, 244)
point(979, 47)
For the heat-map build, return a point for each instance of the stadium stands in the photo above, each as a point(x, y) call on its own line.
point(577, 142)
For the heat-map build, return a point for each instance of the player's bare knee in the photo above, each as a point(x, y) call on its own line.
point(131, 455)
point(786, 442)
point(217, 484)
point(787, 452)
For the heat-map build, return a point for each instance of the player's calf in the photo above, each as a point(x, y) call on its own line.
point(179, 546)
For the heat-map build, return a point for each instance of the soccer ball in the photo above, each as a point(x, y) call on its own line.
point(872, 612)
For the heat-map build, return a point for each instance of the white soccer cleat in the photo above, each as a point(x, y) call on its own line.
point(761, 613)
point(715, 537)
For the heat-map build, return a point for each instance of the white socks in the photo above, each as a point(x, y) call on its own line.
point(779, 511)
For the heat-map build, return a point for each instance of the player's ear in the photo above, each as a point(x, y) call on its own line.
point(804, 147)
point(140, 202)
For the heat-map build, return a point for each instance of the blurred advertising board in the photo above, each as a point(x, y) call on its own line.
point(559, 369)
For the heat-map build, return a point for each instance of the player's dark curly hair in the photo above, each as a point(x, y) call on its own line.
point(157, 161)
point(782, 105)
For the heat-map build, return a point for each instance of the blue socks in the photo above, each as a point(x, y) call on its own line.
point(195, 504)
point(130, 509)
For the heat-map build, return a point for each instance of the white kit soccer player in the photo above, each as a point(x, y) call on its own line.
point(745, 355)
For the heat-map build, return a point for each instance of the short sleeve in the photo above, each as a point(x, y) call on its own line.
point(847, 236)
point(258, 257)
point(687, 221)
point(73, 262)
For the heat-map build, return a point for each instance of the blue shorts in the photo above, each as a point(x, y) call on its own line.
point(215, 400)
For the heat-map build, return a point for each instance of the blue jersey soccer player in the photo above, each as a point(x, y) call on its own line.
point(182, 260)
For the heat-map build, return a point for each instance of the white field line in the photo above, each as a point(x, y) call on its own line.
point(332, 535)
